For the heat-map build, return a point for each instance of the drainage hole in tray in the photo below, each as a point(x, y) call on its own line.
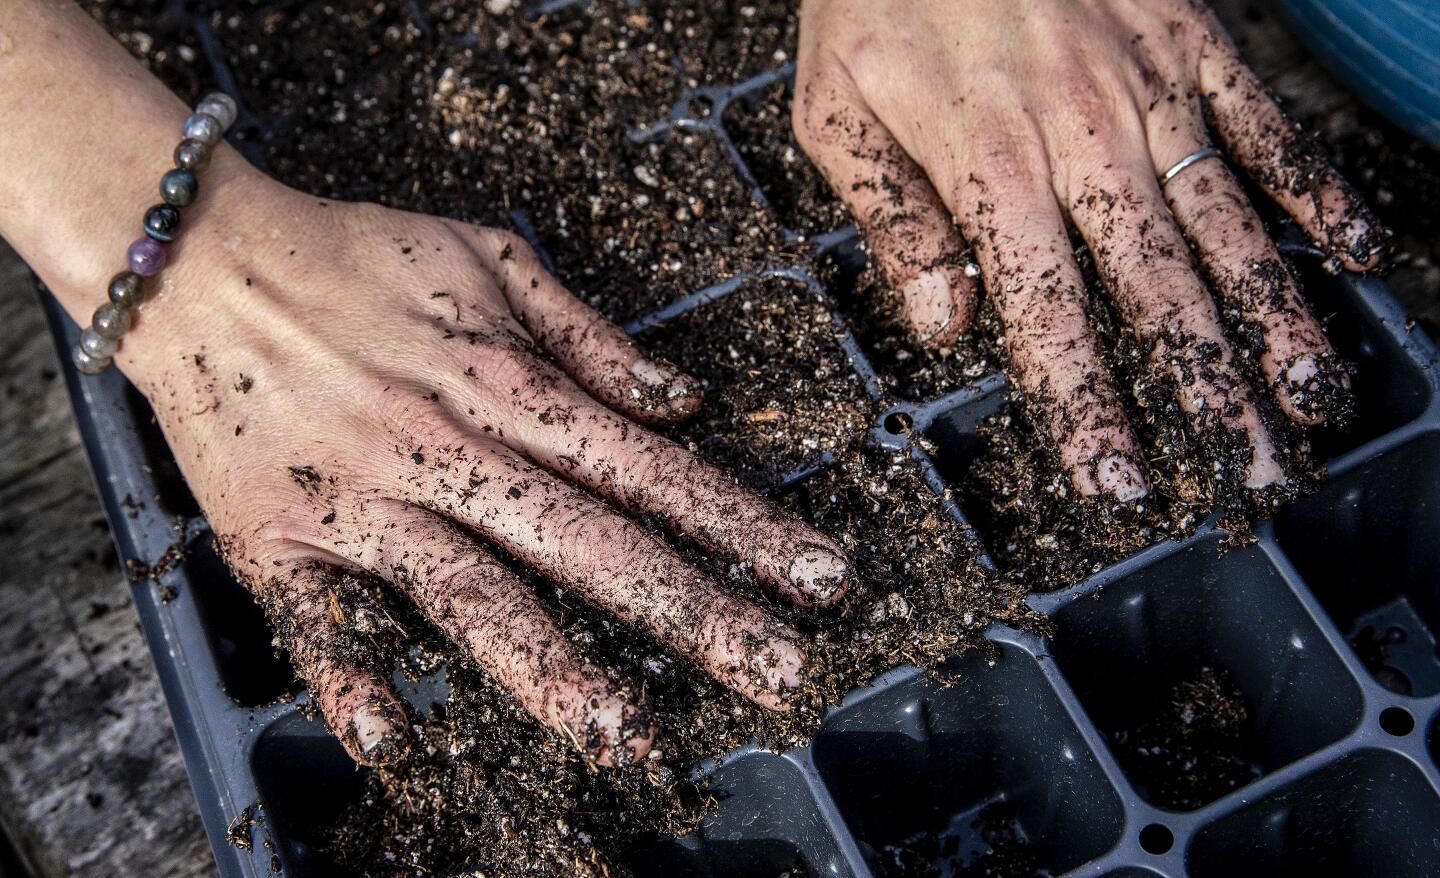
point(701, 106)
point(1397, 721)
point(899, 423)
point(1157, 839)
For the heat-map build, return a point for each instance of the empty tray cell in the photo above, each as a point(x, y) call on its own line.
point(1372, 813)
point(1366, 545)
point(987, 771)
point(767, 825)
point(236, 629)
point(779, 389)
point(306, 780)
point(1205, 672)
point(1390, 388)
point(759, 124)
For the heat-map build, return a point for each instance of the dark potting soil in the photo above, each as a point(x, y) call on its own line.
point(477, 113)
point(779, 390)
point(1190, 748)
point(760, 127)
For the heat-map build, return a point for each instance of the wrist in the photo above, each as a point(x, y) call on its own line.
point(233, 227)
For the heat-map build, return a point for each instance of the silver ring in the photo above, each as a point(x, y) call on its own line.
point(1205, 152)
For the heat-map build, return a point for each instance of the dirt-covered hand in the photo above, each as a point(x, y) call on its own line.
point(1019, 118)
point(353, 388)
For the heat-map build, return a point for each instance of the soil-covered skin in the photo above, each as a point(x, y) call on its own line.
point(1041, 532)
point(1191, 749)
point(906, 369)
point(476, 112)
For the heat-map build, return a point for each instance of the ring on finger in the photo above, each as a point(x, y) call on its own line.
point(1199, 155)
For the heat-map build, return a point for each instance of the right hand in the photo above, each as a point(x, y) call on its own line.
point(952, 124)
point(349, 387)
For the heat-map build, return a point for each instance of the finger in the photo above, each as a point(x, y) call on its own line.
point(595, 352)
point(1287, 164)
point(1149, 271)
point(577, 541)
point(354, 698)
point(556, 424)
point(1253, 281)
point(485, 608)
point(1005, 205)
point(906, 225)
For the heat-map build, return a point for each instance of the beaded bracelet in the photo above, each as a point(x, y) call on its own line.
point(178, 188)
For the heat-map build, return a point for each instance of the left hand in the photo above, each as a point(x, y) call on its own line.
point(1017, 118)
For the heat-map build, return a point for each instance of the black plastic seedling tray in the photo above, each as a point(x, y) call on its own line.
point(1327, 623)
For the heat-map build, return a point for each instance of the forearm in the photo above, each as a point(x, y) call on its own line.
point(88, 133)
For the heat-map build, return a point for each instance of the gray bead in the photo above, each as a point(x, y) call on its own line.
point(111, 322)
point(192, 155)
point(179, 188)
point(88, 364)
point(221, 106)
point(204, 128)
point(127, 290)
point(97, 345)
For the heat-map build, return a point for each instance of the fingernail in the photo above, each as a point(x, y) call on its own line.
point(819, 573)
point(1302, 369)
point(929, 303)
point(782, 664)
point(1119, 476)
point(373, 730)
point(1264, 469)
point(663, 377)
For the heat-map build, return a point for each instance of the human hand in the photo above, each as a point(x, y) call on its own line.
point(1015, 118)
point(349, 387)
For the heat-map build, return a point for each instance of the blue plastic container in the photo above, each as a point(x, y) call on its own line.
point(1386, 51)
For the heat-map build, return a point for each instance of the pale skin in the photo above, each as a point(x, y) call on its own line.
point(952, 126)
point(350, 388)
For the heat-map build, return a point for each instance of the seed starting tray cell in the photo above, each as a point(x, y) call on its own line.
point(1326, 625)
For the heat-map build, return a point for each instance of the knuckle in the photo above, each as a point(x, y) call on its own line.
point(662, 470)
point(416, 419)
point(1221, 222)
point(602, 544)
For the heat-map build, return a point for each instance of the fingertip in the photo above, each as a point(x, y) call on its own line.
point(1314, 389)
point(1113, 474)
point(818, 575)
point(376, 733)
point(626, 730)
point(779, 669)
point(660, 391)
point(939, 305)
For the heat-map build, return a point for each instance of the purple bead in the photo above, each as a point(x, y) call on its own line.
point(146, 257)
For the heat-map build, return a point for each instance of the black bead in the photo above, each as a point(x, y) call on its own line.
point(192, 155)
point(179, 188)
point(127, 289)
point(162, 222)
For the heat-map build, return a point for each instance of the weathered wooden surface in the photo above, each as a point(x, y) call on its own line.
point(91, 781)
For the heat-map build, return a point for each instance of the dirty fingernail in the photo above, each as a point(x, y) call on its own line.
point(929, 303)
point(374, 731)
point(1119, 476)
point(623, 730)
point(819, 573)
point(782, 664)
point(662, 376)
